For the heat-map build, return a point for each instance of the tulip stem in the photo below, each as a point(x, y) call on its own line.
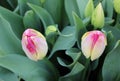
point(84, 75)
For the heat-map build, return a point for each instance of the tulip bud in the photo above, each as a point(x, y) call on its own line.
point(50, 29)
point(42, 1)
point(98, 17)
point(89, 8)
point(34, 44)
point(117, 6)
point(93, 44)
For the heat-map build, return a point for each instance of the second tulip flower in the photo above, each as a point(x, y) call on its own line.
point(93, 44)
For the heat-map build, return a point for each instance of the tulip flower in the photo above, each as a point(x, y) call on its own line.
point(89, 8)
point(93, 44)
point(34, 44)
point(117, 6)
point(98, 17)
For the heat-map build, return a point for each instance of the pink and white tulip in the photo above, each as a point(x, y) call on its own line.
point(93, 44)
point(34, 44)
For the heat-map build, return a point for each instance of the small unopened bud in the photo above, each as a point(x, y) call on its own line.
point(50, 29)
point(89, 8)
point(98, 17)
point(93, 44)
point(34, 44)
point(117, 6)
point(42, 1)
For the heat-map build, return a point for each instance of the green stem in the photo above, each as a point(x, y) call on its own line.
point(84, 78)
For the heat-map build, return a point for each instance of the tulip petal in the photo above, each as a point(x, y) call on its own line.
point(27, 52)
point(42, 51)
point(93, 44)
point(86, 45)
point(98, 48)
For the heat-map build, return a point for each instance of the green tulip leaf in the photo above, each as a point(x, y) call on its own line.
point(6, 75)
point(74, 53)
point(74, 75)
point(80, 28)
point(110, 41)
point(14, 20)
point(71, 6)
point(108, 7)
point(64, 42)
point(114, 30)
point(45, 17)
point(108, 21)
point(111, 66)
point(54, 10)
point(29, 70)
point(30, 20)
point(9, 43)
point(82, 5)
point(23, 7)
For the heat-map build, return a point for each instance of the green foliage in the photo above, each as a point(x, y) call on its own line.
point(43, 15)
point(111, 67)
point(65, 60)
point(71, 6)
point(25, 68)
point(54, 7)
point(6, 75)
point(29, 17)
point(23, 7)
point(14, 20)
point(80, 28)
point(9, 43)
point(62, 42)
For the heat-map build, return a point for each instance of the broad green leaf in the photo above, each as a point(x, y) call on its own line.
point(54, 7)
point(74, 54)
point(82, 5)
point(79, 27)
point(24, 7)
point(30, 20)
point(71, 6)
point(108, 21)
point(29, 70)
point(74, 74)
point(110, 41)
point(6, 75)
point(14, 20)
point(64, 42)
point(42, 14)
point(111, 66)
point(108, 7)
point(86, 21)
point(113, 35)
point(9, 43)
point(114, 30)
